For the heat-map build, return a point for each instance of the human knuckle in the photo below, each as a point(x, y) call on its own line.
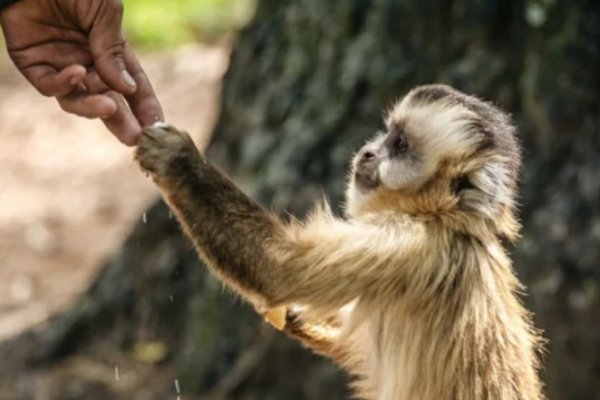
point(44, 90)
point(115, 50)
point(66, 106)
point(116, 6)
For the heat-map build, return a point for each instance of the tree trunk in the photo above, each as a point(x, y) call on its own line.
point(306, 87)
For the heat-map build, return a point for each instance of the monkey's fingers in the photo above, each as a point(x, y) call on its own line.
point(276, 317)
point(160, 146)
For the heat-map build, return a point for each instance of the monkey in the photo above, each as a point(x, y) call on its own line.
point(411, 291)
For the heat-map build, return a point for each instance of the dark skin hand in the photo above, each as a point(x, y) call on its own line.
point(74, 51)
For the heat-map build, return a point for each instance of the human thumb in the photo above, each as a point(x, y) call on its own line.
point(107, 46)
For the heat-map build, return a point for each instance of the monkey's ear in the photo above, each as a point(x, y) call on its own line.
point(461, 183)
point(494, 198)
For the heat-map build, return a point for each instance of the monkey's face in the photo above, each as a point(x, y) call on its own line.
point(442, 152)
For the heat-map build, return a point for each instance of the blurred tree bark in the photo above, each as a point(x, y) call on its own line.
point(306, 87)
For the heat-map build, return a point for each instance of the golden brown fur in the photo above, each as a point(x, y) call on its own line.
point(412, 293)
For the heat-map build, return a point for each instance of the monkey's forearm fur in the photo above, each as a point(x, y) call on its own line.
point(223, 223)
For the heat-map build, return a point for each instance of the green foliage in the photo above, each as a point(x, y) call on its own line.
point(159, 23)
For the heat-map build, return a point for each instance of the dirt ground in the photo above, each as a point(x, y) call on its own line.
point(70, 193)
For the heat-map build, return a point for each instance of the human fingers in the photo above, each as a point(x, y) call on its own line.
point(110, 107)
point(143, 103)
point(88, 105)
point(50, 82)
point(107, 45)
point(122, 123)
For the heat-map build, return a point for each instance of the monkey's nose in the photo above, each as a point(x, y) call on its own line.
point(367, 156)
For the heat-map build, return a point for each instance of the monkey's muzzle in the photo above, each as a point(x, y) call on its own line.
point(367, 171)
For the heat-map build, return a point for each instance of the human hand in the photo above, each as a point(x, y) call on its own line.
point(74, 51)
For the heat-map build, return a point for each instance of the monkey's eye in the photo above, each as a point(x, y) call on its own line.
point(399, 145)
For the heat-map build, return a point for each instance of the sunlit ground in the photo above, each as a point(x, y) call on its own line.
point(70, 192)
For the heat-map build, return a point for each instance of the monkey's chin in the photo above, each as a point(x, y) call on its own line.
point(366, 184)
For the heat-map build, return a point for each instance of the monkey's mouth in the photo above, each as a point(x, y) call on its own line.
point(366, 180)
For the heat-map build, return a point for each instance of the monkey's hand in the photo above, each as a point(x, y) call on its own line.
point(276, 317)
point(320, 337)
point(165, 153)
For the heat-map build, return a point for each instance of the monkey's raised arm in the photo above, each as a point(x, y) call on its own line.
point(327, 262)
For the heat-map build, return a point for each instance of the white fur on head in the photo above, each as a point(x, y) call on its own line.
point(435, 130)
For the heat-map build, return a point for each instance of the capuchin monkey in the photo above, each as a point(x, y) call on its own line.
point(412, 292)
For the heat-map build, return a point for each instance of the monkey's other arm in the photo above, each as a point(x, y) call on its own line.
point(326, 263)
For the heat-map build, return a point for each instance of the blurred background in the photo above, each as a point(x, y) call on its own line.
point(103, 298)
